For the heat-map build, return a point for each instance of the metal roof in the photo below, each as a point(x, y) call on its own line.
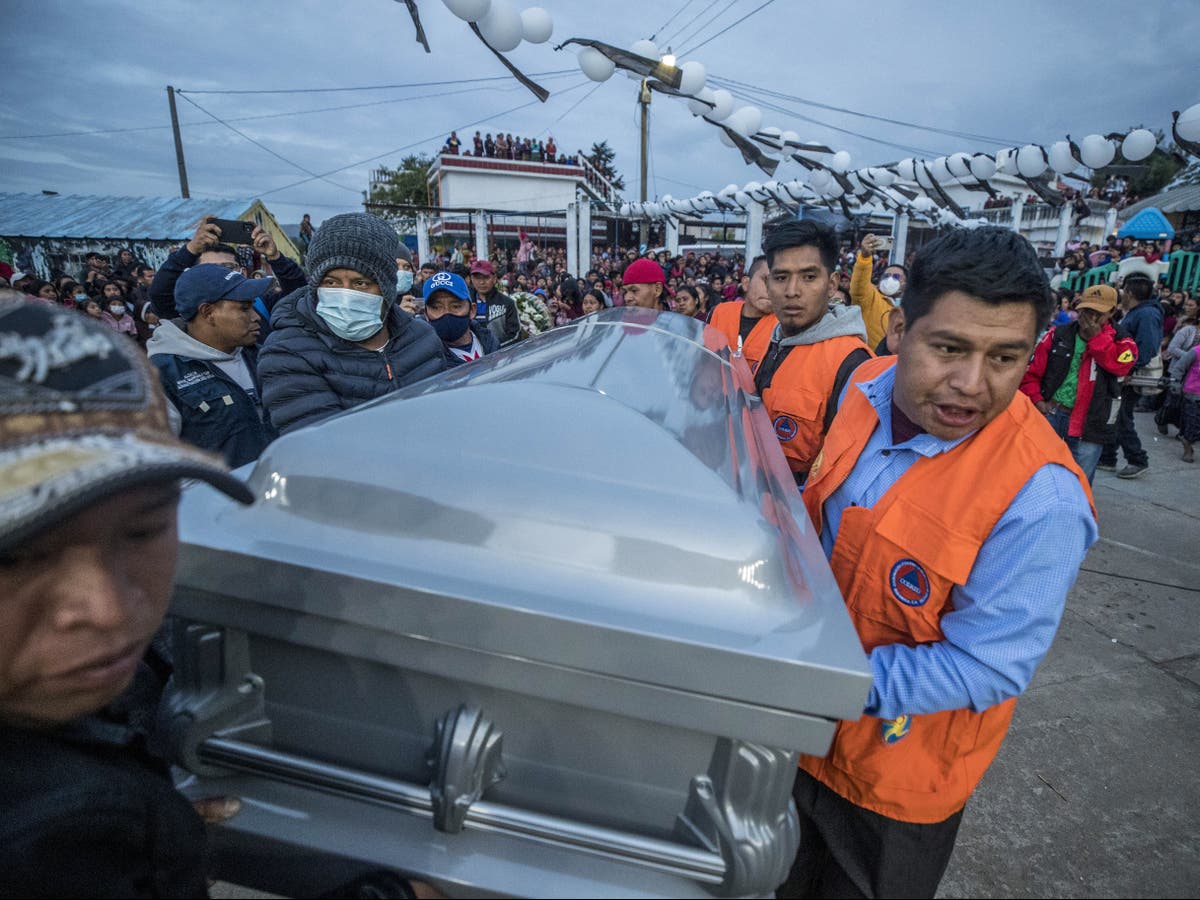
point(1185, 198)
point(82, 216)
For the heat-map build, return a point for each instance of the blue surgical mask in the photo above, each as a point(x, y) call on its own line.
point(81, 298)
point(350, 314)
point(450, 328)
point(404, 281)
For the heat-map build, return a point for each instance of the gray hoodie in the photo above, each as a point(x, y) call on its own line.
point(838, 321)
point(171, 340)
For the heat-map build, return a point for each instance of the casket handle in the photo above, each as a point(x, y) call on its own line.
point(465, 760)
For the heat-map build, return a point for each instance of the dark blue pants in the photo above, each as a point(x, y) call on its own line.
point(1127, 436)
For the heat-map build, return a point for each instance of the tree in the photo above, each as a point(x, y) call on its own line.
point(405, 184)
point(601, 158)
point(1146, 177)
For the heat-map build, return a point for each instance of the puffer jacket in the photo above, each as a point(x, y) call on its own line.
point(308, 373)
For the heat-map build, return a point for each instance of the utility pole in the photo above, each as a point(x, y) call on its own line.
point(644, 100)
point(183, 185)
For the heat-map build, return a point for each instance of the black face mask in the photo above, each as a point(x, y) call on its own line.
point(449, 327)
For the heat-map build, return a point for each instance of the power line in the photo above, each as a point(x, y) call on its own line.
point(382, 87)
point(257, 118)
point(965, 135)
point(571, 109)
point(704, 23)
point(919, 151)
point(417, 143)
point(734, 25)
point(686, 4)
point(268, 149)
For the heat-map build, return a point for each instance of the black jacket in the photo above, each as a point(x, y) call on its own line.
point(502, 317)
point(162, 289)
point(1100, 425)
point(89, 812)
point(308, 373)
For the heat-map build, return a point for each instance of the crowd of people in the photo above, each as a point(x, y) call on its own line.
point(505, 146)
point(1081, 255)
point(886, 382)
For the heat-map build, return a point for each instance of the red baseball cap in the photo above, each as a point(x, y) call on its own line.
point(643, 271)
point(482, 267)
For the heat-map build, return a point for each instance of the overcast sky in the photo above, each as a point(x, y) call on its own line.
point(1020, 70)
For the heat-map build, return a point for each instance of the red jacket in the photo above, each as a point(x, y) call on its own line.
point(1108, 356)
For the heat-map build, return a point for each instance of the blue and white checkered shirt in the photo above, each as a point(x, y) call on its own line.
point(1005, 616)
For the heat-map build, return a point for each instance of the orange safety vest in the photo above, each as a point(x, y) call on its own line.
point(896, 564)
point(727, 317)
point(798, 395)
point(758, 341)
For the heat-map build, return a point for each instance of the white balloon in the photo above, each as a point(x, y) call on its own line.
point(1006, 162)
point(625, 209)
point(1061, 160)
point(840, 162)
point(468, 10)
point(536, 25)
point(834, 190)
point(1188, 123)
point(983, 166)
point(749, 120)
point(692, 75)
point(702, 109)
point(924, 178)
point(1138, 144)
point(1031, 162)
point(724, 105)
point(940, 171)
point(751, 187)
point(725, 138)
point(742, 199)
point(906, 170)
point(771, 136)
point(883, 177)
point(820, 179)
point(1096, 151)
point(645, 48)
point(729, 190)
point(959, 165)
point(923, 204)
point(501, 27)
point(790, 140)
point(595, 65)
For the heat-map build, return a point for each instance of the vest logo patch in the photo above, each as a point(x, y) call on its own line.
point(1126, 356)
point(910, 584)
point(785, 428)
point(896, 729)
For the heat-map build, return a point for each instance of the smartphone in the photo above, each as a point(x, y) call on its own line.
point(233, 231)
point(883, 242)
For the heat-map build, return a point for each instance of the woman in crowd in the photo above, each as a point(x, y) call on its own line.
point(593, 302)
point(687, 303)
point(43, 290)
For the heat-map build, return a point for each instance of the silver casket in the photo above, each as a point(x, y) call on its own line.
point(550, 624)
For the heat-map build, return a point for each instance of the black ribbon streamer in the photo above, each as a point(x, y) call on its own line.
point(538, 91)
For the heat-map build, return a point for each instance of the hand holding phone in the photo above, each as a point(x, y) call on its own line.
point(233, 231)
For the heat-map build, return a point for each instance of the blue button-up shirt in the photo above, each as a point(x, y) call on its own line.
point(1005, 616)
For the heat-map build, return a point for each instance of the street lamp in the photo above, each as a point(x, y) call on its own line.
point(667, 59)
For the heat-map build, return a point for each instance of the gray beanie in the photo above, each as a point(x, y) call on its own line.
point(405, 254)
point(356, 241)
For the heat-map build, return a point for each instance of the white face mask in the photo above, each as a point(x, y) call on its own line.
point(353, 315)
point(889, 285)
point(117, 309)
point(404, 281)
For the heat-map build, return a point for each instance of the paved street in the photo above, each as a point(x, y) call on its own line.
point(1095, 792)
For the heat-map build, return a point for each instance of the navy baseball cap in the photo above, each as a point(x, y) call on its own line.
point(208, 283)
point(445, 281)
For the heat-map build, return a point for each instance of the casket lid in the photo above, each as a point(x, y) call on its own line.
point(604, 499)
